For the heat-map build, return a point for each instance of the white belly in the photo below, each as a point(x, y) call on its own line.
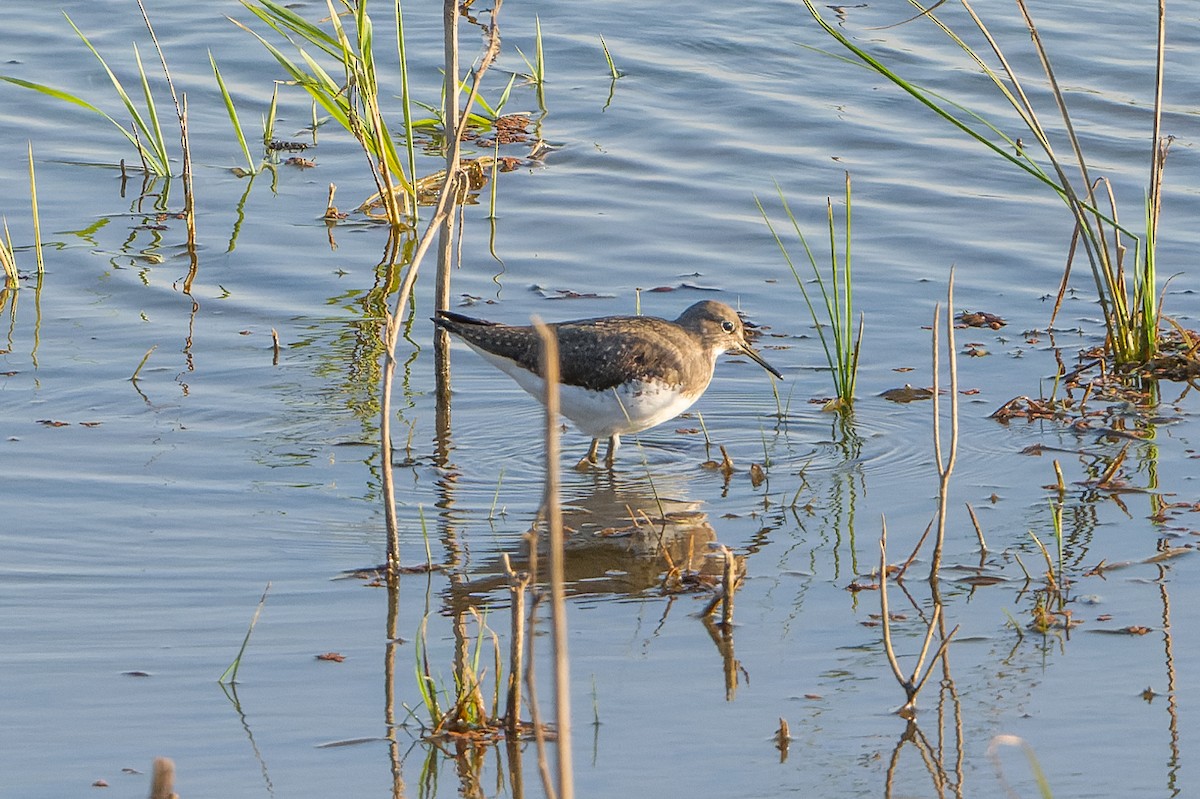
point(630, 408)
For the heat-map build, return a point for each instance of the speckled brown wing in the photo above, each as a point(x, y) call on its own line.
point(600, 354)
point(519, 344)
point(597, 354)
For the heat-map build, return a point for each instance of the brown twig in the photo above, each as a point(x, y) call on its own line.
point(944, 467)
point(978, 529)
point(912, 684)
point(162, 783)
point(518, 584)
point(394, 320)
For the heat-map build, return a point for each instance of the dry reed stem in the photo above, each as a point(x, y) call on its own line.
point(518, 584)
point(978, 529)
point(558, 603)
point(913, 684)
point(944, 467)
point(453, 151)
point(1158, 153)
point(134, 377)
point(189, 202)
point(162, 783)
point(394, 320)
point(913, 555)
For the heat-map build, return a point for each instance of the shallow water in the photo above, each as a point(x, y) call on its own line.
point(142, 541)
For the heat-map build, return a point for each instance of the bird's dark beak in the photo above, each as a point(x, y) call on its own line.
point(753, 355)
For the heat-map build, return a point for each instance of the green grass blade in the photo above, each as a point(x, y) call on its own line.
point(37, 224)
point(159, 142)
point(157, 161)
point(58, 94)
point(233, 116)
point(282, 20)
point(232, 670)
point(406, 102)
point(612, 68)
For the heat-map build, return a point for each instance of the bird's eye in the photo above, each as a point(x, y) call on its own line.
point(727, 326)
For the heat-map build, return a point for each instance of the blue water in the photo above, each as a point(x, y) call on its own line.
point(142, 541)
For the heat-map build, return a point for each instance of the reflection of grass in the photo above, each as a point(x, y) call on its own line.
point(1130, 312)
point(842, 353)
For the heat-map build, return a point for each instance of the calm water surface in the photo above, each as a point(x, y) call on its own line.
point(139, 536)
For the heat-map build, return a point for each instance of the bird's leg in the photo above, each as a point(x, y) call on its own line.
point(613, 443)
point(589, 460)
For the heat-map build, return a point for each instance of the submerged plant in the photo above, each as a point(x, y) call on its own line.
point(837, 295)
point(1129, 302)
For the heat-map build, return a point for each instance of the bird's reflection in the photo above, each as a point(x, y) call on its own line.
point(623, 533)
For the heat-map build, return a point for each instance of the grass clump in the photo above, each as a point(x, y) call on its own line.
point(353, 98)
point(1126, 287)
point(461, 711)
point(837, 296)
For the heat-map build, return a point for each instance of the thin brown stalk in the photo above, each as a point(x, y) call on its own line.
point(189, 204)
point(945, 467)
point(913, 555)
point(394, 320)
point(453, 149)
point(518, 584)
point(883, 608)
point(134, 377)
point(189, 199)
point(1156, 133)
point(978, 529)
point(162, 783)
point(558, 600)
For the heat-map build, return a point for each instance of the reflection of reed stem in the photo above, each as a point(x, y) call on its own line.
point(730, 585)
point(1172, 699)
point(389, 689)
point(912, 685)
